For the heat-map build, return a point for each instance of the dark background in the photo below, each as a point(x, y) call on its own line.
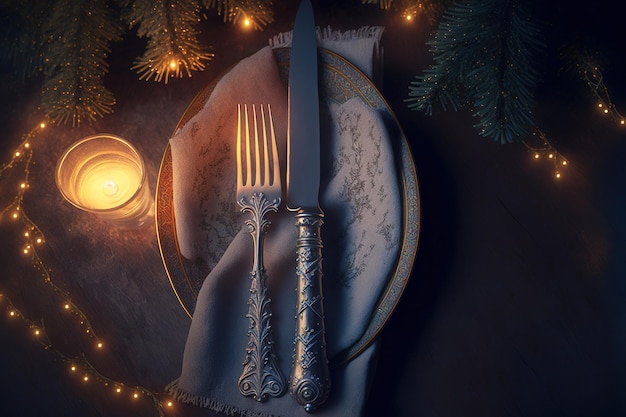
point(516, 305)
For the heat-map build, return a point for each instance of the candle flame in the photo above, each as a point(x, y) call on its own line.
point(110, 188)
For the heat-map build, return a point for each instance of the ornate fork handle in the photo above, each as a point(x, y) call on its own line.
point(310, 375)
point(261, 375)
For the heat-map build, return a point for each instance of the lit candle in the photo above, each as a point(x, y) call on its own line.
point(105, 175)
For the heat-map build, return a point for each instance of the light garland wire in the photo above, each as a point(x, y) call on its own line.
point(544, 151)
point(33, 238)
point(592, 75)
point(80, 365)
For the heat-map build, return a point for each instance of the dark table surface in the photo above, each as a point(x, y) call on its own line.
point(515, 307)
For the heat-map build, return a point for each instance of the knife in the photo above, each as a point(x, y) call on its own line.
point(310, 376)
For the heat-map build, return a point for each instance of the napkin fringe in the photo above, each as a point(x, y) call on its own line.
point(328, 34)
point(212, 404)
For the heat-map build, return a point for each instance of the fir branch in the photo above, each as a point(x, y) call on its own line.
point(433, 9)
point(21, 34)
point(79, 36)
point(384, 4)
point(173, 44)
point(483, 56)
point(259, 12)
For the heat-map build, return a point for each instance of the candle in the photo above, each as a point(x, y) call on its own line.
point(105, 175)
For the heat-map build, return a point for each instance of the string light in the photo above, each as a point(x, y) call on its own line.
point(248, 15)
point(544, 150)
point(33, 237)
point(82, 367)
point(592, 75)
point(410, 12)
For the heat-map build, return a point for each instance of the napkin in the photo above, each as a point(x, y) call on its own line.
point(361, 47)
point(361, 197)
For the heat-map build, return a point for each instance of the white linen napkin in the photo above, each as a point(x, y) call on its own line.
point(361, 47)
point(361, 197)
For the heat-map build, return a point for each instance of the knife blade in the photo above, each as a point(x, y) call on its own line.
point(310, 376)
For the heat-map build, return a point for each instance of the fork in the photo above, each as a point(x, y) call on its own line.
point(258, 192)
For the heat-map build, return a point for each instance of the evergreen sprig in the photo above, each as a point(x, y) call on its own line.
point(259, 12)
point(78, 37)
point(483, 54)
point(173, 44)
point(21, 37)
point(433, 9)
point(68, 41)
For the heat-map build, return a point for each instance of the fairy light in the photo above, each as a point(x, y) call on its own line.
point(245, 21)
point(543, 149)
point(82, 368)
point(253, 15)
point(592, 75)
point(32, 235)
point(410, 13)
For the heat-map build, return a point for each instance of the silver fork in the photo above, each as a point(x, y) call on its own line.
point(258, 192)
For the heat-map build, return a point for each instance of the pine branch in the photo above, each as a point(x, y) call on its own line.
point(483, 56)
point(173, 45)
point(21, 34)
point(79, 36)
point(433, 9)
point(384, 4)
point(258, 12)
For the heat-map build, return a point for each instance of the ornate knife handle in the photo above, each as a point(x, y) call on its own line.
point(310, 376)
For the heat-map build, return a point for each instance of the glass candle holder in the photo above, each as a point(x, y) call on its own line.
point(105, 175)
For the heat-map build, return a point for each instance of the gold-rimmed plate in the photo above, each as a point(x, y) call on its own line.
point(341, 82)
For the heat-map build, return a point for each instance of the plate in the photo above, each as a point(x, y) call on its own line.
point(341, 82)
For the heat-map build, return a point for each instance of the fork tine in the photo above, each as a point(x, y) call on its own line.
point(257, 153)
point(263, 171)
point(239, 167)
point(266, 159)
point(275, 164)
point(248, 181)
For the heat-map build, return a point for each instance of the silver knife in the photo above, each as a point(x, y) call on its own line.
point(310, 376)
